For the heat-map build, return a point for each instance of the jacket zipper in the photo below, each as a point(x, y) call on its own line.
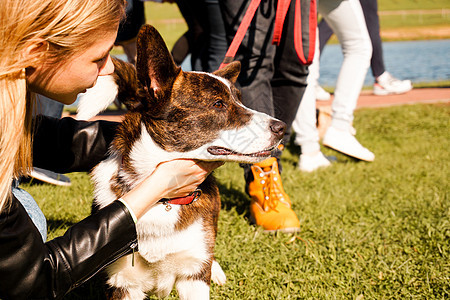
point(132, 246)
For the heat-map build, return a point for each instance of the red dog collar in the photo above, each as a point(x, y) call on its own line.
point(182, 200)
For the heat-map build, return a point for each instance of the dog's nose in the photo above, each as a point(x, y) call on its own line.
point(278, 128)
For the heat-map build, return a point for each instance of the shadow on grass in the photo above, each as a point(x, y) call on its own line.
point(32, 181)
point(292, 147)
point(234, 198)
point(53, 225)
point(93, 289)
point(332, 155)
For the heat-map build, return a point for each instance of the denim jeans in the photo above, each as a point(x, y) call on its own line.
point(33, 210)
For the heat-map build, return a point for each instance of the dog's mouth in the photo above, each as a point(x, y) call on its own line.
point(216, 150)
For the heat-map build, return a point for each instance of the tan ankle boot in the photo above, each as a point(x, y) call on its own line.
point(270, 206)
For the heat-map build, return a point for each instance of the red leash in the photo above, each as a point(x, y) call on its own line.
point(312, 32)
point(282, 9)
point(239, 36)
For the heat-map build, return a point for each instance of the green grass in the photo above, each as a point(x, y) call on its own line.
point(376, 230)
point(412, 4)
point(410, 20)
point(443, 83)
point(167, 18)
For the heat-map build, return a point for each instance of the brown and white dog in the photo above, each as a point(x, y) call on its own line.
point(173, 114)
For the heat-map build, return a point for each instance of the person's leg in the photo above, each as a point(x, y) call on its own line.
point(289, 79)
point(325, 33)
point(306, 133)
point(270, 206)
point(304, 124)
point(256, 53)
point(370, 10)
point(130, 49)
point(128, 30)
point(195, 36)
point(347, 21)
point(182, 47)
point(385, 83)
point(211, 42)
point(217, 42)
point(199, 47)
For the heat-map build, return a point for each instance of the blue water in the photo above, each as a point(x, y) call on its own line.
point(419, 61)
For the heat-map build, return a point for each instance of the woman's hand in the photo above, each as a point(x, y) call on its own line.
point(181, 177)
point(172, 179)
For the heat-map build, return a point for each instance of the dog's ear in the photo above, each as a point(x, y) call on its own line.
point(230, 71)
point(155, 66)
point(129, 88)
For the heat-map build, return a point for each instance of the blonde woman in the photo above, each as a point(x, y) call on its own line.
point(58, 48)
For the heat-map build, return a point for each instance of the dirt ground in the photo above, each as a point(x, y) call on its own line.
point(418, 33)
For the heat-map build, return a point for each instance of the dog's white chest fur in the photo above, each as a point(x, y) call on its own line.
point(189, 243)
point(162, 262)
point(166, 256)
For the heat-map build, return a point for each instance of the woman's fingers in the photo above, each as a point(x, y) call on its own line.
point(181, 177)
point(209, 166)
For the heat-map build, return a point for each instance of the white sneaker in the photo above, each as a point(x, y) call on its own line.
point(345, 142)
point(312, 162)
point(50, 177)
point(386, 84)
point(321, 94)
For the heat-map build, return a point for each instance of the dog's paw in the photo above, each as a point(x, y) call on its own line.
point(217, 274)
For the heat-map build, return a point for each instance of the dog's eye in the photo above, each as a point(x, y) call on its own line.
point(219, 104)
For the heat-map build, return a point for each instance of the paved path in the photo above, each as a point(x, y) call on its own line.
point(425, 95)
point(366, 99)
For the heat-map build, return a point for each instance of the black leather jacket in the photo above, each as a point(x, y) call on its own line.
point(31, 269)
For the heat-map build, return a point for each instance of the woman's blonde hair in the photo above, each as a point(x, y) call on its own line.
point(66, 27)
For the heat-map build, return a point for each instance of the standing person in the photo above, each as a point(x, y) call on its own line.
point(129, 29)
point(347, 20)
point(385, 83)
point(272, 81)
point(305, 124)
point(58, 48)
point(205, 39)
